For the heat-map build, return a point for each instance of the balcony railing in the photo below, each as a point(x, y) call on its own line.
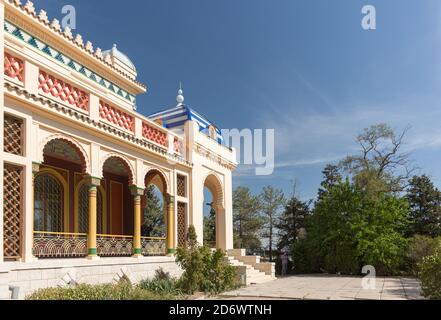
point(114, 246)
point(151, 246)
point(74, 245)
point(59, 245)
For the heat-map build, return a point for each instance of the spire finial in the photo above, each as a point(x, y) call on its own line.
point(180, 97)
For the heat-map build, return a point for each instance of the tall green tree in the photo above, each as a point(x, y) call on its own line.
point(291, 221)
point(350, 228)
point(331, 176)
point(210, 228)
point(425, 207)
point(246, 219)
point(271, 200)
point(154, 218)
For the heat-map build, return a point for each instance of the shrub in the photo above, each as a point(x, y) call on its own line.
point(430, 276)
point(204, 270)
point(162, 283)
point(121, 291)
point(418, 248)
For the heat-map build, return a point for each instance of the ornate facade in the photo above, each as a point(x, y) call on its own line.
point(77, 156)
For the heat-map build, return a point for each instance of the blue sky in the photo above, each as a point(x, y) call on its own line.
point(304, 68)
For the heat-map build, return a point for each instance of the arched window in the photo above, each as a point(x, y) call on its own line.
point(83, 210)
point(48, 204)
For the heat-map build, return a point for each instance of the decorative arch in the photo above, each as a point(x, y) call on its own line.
point(151, 173)
point(85, 162)
point(125, 161)
point(214, 184)
point(65, 184)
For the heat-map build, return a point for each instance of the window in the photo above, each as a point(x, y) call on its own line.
point(182, 224)
point(13, 135)
point(83, 210)
point(12, 208)
point(181, 188)
point(48, 204)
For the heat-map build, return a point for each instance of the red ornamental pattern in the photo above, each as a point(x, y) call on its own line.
point(63, 91)
point(14, 68)
point(155, 135)
point(117, 117)
point(177, 145)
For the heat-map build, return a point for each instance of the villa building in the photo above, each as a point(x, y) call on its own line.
point(77, 157)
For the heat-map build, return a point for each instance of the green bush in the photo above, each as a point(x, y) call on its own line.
point(121, 291)
point(418, 248)
point(162, 283)
point(430, 276)
point(204, 270)
point(350, 228)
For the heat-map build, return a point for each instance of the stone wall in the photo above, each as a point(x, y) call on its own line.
point(58, 273)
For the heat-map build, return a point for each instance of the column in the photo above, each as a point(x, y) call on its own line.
point(91, 235)
point(170, 224)
point(137, 194)
point(35, 170)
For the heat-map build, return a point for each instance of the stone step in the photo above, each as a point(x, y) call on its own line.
point(253, 276)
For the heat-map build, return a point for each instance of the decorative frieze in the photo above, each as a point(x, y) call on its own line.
point(116, 117)
point(14, 67)
point(177, 145)
point(63, 91)
point(42, 17)
point(204, 152)
point(75, 115)
point(65, 60)
point(153, 134)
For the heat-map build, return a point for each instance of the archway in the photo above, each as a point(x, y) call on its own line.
point(214, 213)
point(54, 183)
point(118, 177)
point(154, 210)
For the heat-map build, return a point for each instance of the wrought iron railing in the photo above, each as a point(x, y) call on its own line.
point(153, 246)
point(72, 245)
point(59, 245)
point(114, 246)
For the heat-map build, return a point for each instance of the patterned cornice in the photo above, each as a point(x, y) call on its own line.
point(16, 9)
point(104, 127)
point(203, 151)
point(43, 47)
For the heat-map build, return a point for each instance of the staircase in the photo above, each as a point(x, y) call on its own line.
point(249, 268)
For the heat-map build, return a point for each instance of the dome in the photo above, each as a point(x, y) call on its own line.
point(116, 54)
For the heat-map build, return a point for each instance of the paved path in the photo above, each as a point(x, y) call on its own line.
point(330, 287)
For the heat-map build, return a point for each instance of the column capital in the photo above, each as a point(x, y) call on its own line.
point(35, 167)
point(92, 181)
point(136, 191)
point(170, 199)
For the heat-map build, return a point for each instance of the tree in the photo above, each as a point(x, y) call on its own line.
point(381, 166)
point(331, 176)
point(270, 201)
point(350, 228)
point(425, 207)
point(291, 222)
point(246, 219)
point(154, 225)
point(210, 227)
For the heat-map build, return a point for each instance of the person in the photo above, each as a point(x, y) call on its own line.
point(285, 260)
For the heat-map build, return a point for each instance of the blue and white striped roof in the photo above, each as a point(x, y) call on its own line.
point(176, 117)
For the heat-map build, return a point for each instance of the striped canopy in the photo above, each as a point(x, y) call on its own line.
point(176, 117)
